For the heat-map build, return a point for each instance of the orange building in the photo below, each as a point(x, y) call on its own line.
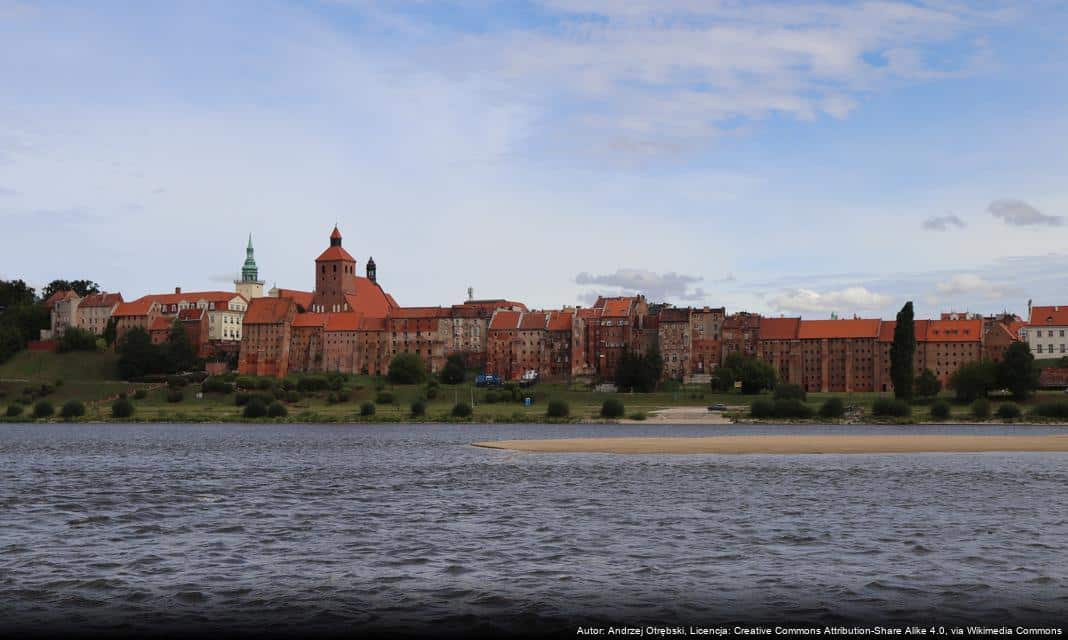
point(267, 337)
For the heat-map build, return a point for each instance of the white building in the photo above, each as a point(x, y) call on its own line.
point(1046, 332)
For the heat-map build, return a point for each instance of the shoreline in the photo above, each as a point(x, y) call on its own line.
point(791, 444)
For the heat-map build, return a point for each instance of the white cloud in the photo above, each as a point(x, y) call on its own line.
point(1019, 213)
point(943, 223)
point(842, 301)
point(656, 287)
point(968, 284)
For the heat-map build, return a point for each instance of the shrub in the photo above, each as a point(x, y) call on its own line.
point(406, 368)
point(14, 410)
point(492, 397)
point(255, 408)
point(832, 408)
point(1008, 411)
point(888, 407)
point(215, 385)
point(981, 409)
point(245, 382)
point(418, 408)
point(789, 392)
point(122, 408)
point(343, 396)
point(556, 409)
point(292, 396)
point(762, 408)
point(75, 339)
point(176, 382)
point(265, 384)
point(791, 409)
point(175, 395)
point(59, 382)
point(47, 389)
point(461, 410)
point(279, 393)
point(431, 393)
point(612, 408)
point(277, 410)
point(367, 409)
point(331, 398)
point(43, 409)
point(637, 415)
point(940, 410)
point(384, 397)
point(141, 394)
point(1056, 409)
point(72, 409)
point(241, 398)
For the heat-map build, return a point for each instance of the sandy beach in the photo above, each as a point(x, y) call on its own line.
point(790, 444)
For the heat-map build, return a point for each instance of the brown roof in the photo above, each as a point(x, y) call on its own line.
point(1048, 316)
point(951, 331)
point(674, 315)
point(820, 329)
point(615, 307)
point(489, 306)
point(268, 310)
point(139, 307)
point(779, 328)
point(302, 298)
point(560, 320)
point(194, 296)
point(66, 294)
point(310, 320)
point(343, 321)
point(505, 320)
point(742, 321)
point(190, 313)
point(533, 320)
point(101, 300)
point(334, 253)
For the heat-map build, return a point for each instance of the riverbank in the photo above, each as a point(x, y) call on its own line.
point(791, 444)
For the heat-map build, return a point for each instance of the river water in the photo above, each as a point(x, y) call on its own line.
point(135, 529)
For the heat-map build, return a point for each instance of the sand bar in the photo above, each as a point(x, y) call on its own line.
point(791, 444)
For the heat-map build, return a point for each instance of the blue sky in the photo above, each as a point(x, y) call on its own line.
point(783, 157)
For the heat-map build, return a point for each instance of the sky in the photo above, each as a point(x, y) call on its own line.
point(789, 158)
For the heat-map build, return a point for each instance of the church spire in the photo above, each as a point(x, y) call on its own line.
point(249, 271)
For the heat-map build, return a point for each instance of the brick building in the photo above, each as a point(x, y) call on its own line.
point(999, 333)
point(943, 346)
point(821, 355)
point(267, 337)
point(95, 310)
point(740, 333)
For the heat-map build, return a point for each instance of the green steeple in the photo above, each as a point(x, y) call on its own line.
point(249, 271)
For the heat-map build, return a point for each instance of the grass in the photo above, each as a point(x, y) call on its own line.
point(45, 366)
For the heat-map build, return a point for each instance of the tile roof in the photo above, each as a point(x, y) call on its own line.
point(66, 294)
point(560, 320)
point(820, 329)
point(370, 300)
point(335, 253)
point(343, 321)
point(615, 307)
point(420, 312)
point(373, 324)
point(779, 328)
point(742, 321)
point(335, 234)
point(139, 307)
point(1056, 316)
point(489, 306)
point(268, 310)
point(310, 320)
point(505, 320)
point(533, 320)
point(302, 298)
point(191, 313)
point(101, 300)
point(951, 331)
point(589, 312)
point(161, 323)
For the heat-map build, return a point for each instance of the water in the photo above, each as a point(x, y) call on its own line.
point(296, 528)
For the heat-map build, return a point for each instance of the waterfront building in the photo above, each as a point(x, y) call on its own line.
point(740, 333)
point(1045, 330)
point(943, 346)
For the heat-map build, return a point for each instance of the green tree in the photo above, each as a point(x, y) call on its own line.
point(407, 368)
point(28, 320)
point(137, 355)
point(110, 331)
point(15, 293)
point(75, 339)
point(639, 372)
point(927, 385)
point(178, 351)
point(454, 370)
point(974, 380)
point(10, 342)
point(1018, 371)
point(901, 353)
point(756, 376)
point(81, 287)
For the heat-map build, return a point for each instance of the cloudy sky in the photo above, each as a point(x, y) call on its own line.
point(782, 157)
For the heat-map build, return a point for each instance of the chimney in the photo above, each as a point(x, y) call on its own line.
point(177, 289)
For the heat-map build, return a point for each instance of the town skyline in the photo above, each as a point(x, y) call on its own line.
point(800, 159)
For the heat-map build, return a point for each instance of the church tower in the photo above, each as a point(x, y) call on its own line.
point(335, 276)
point(250, 284)
point(372, 271)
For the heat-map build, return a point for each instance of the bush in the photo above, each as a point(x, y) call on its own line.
point(418, 408)
point(888, 407)
point(940, 410)
point(43, 409)
point(461, 410)
point(122, 408)
point(406, 368)
point(277, 410)
point(175, 395)
point(981, 409)
point(790, 392)
point(72, 409)
point(255, 408)
point(367, 409)
point(492, 397)
point(331, 398)
point(1056, 409)
point(384, 397)
point(140, 394)
point(47, 389)
point(556, 409)
point(832, 408)
point(215, 385)
point(431, 393)
point(612, 408)
point(312, 383)
point(265, 384)
point(59, 382)
point(637, 415)
point(791, 409)
point(762, 408)
point(75, 339)
point(176, 382)
point(245, 382)
point(241, 398)
point(14, 410)
point(453, 372)
point(292, 396)
point(1008, 411)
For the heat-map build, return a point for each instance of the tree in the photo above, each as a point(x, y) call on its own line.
point(15, 293)
point(974, 380)
point(110, 331)
point(454, 370)
point(137, 355)
point(178, 351)
point(1018, 372)
point(76, 339)
point(81, 287)
point(901, 353)
point(639, 372)
point(10, 342)
point(927, 385)
point(28, 320)
point(406, 368)
point(756, 376)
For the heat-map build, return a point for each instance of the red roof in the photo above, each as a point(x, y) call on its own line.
point(335, 234)
point(335, 253)
point(1048, 316)
point(779, 328)
point(505, 320)
point(420, 312)
point(820, 329)
point(560, 320)
point(268, 310)
point(161, 323)
point(951, 331)
point(588, 312)
point(489, 306)
point(101, 300)
point(370, 299)
point(310, 320)
point(343, 321)
point(533, 320)
point(137, 307)
point(373, 324)
point(302, 298)
point(66, 294)
point(190, 313)
point(615, 307)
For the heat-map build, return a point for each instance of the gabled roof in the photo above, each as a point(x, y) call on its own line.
point(370, 300)
point(191, 314)
point(952, 331)
point(1056, 316)
point(615, 307)
point(821, 329)
point(560, 320)
point(66, 294)
point(335, 253)
point(139, 307)
point(161, 323)
point(268, 310)
point(101, 300)
point(533, 320)
point(505, 320)
point(302, 298)
point(779, 328)
point(310, 320)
